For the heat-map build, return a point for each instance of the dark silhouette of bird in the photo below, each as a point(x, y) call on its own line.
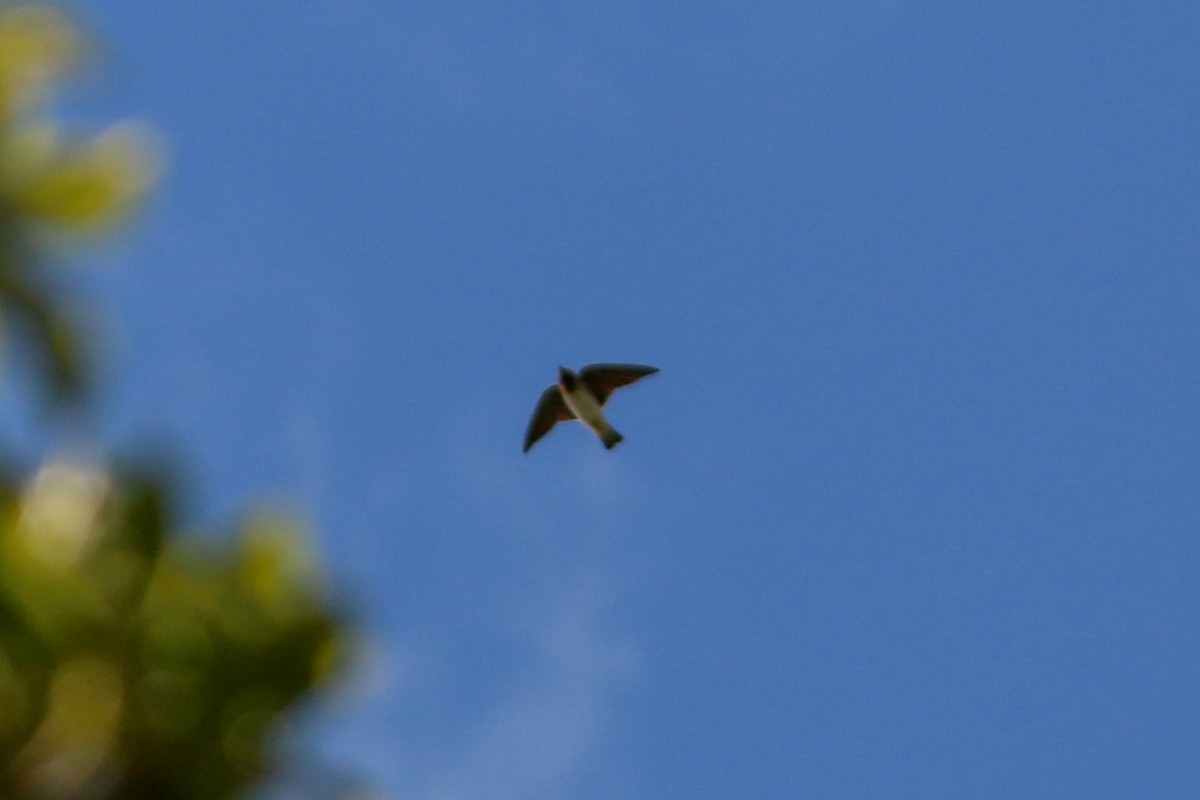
point(582, 396)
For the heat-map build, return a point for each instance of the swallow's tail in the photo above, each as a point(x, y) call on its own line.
point(611, 437)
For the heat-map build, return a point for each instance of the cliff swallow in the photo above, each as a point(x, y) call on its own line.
point(581, 397)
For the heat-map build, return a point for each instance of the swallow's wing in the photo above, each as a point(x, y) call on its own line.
point(602, 379)
point(550, 409)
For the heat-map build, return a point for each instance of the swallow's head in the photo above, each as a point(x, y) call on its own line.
point(566, 378)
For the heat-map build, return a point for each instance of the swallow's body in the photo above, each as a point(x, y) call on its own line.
point(582, 397)
point(583, 404)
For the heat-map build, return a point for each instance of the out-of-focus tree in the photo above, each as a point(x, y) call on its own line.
point(134, 662)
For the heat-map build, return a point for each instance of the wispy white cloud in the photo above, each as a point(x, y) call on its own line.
point(538, 737)
point(543, 614)
point(540, 719)
point(539, 733)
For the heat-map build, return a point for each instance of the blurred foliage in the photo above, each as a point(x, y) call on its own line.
point(137, 665)
point(134, 663)
point(54, 186)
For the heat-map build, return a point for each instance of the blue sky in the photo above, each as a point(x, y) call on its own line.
point(910, 511)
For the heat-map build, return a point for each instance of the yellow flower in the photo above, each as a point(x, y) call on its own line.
point(60, 511)
point(83, 188)
point(37, 45)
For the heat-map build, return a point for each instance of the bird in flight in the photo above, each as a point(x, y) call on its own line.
point(581, 397)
